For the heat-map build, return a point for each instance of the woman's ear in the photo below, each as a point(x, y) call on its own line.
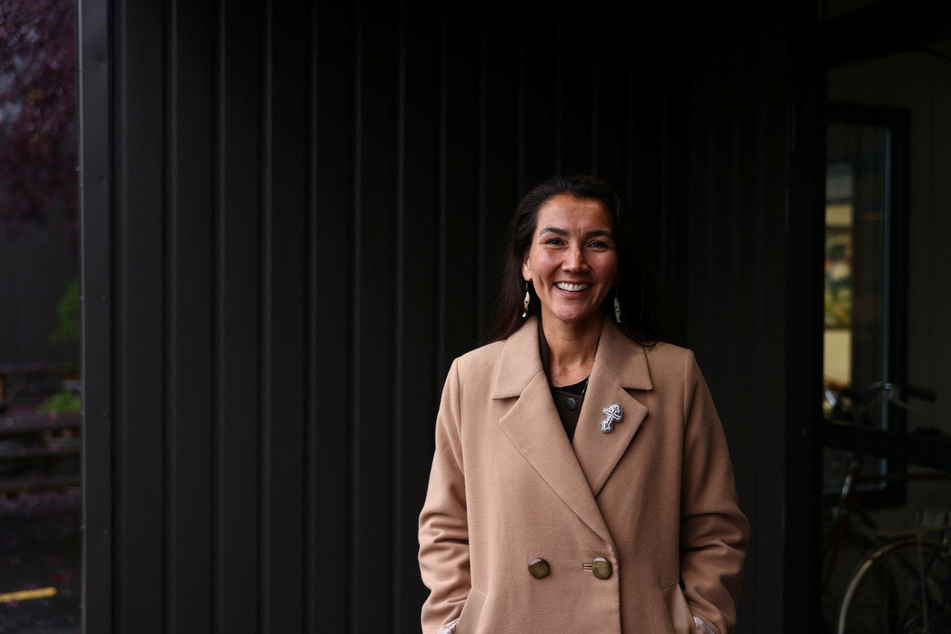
point(526, 269)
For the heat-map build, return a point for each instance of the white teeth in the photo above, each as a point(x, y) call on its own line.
point(571, 287)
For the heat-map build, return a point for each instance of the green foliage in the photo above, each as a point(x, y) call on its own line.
point(67, 331)
point(64, 401)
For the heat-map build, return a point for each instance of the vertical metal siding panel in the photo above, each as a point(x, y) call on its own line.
point(762, 350)
point(728, 334)
point(572, 130)
point(331, 287)
point(501, 166)
point(665, 212)
point(399, 327)
point(611, 49)
point(638, 172)
point(701, 149)
point(735, 291)
point(718, 242)
point(282, 358)
point(760, 480)
point(266, 238)
point(575, 85)
point(286, 202)
point(595, 89)
point(804, 250)
point(478, 25)
point(97, 248)
point(741, 414)
point(370, 418)
point(519, 96)
point(354, 406)
point(744, 402)
point(189, 284)
point(674, 157)
point(415, 377)
point(538, 75)
point(238, 318)
point(140, 303)
point(442, 357)
point(461, 219)
point(705, 236)
point(737, 317)
point(758, 466)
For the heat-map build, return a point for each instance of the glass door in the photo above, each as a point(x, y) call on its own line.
point(866, 212)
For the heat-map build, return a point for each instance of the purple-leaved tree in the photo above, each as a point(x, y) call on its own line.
point(38, 136)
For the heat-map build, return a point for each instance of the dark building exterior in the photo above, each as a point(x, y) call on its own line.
point(291, 222)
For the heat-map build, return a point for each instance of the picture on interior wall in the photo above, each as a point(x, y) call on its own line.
point(838, 278)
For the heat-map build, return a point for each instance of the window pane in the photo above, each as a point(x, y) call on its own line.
point(39, 319)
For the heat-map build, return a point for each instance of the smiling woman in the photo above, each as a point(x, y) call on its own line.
point(639, 296)
point(572, 264)
point(581, 474)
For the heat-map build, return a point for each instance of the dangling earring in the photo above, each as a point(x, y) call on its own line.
point(617, 307)
point(527, 300)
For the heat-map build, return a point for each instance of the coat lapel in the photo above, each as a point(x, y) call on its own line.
point(533, 426)
point(620, 365)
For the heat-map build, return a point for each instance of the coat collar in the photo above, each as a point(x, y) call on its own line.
point(576, 473)
point(623, 359)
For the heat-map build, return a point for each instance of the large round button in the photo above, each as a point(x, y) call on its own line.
point(539, 568)
point(601, 568)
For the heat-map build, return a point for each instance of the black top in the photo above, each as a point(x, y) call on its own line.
point(569, 398)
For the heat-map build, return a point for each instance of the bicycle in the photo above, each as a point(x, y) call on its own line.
point(878, 585)
point(904, 586)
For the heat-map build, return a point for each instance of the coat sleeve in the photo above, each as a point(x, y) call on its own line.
point(443, 522)
point(713, 532)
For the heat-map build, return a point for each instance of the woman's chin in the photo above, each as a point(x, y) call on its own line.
point(574, 318)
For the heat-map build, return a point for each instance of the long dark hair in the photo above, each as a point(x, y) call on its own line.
point(644, 315)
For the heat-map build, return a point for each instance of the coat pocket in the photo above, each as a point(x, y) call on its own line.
point(471, 611)
point(680, 615)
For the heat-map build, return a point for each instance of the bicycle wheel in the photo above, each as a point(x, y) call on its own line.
point(851, 552)
point(885, 595)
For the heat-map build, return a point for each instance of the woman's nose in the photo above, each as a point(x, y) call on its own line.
point(574, 260)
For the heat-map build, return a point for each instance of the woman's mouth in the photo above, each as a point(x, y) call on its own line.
point(572, 288)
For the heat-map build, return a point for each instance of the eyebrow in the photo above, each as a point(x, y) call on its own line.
point(597, 233)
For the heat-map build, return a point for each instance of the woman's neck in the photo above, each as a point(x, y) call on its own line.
point(572, 348)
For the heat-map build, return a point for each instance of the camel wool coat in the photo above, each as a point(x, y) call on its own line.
point(655, 498)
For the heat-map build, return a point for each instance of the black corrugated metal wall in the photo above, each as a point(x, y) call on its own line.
point(292, 215)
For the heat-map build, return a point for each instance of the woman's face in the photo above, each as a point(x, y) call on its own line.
point(572, 262)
